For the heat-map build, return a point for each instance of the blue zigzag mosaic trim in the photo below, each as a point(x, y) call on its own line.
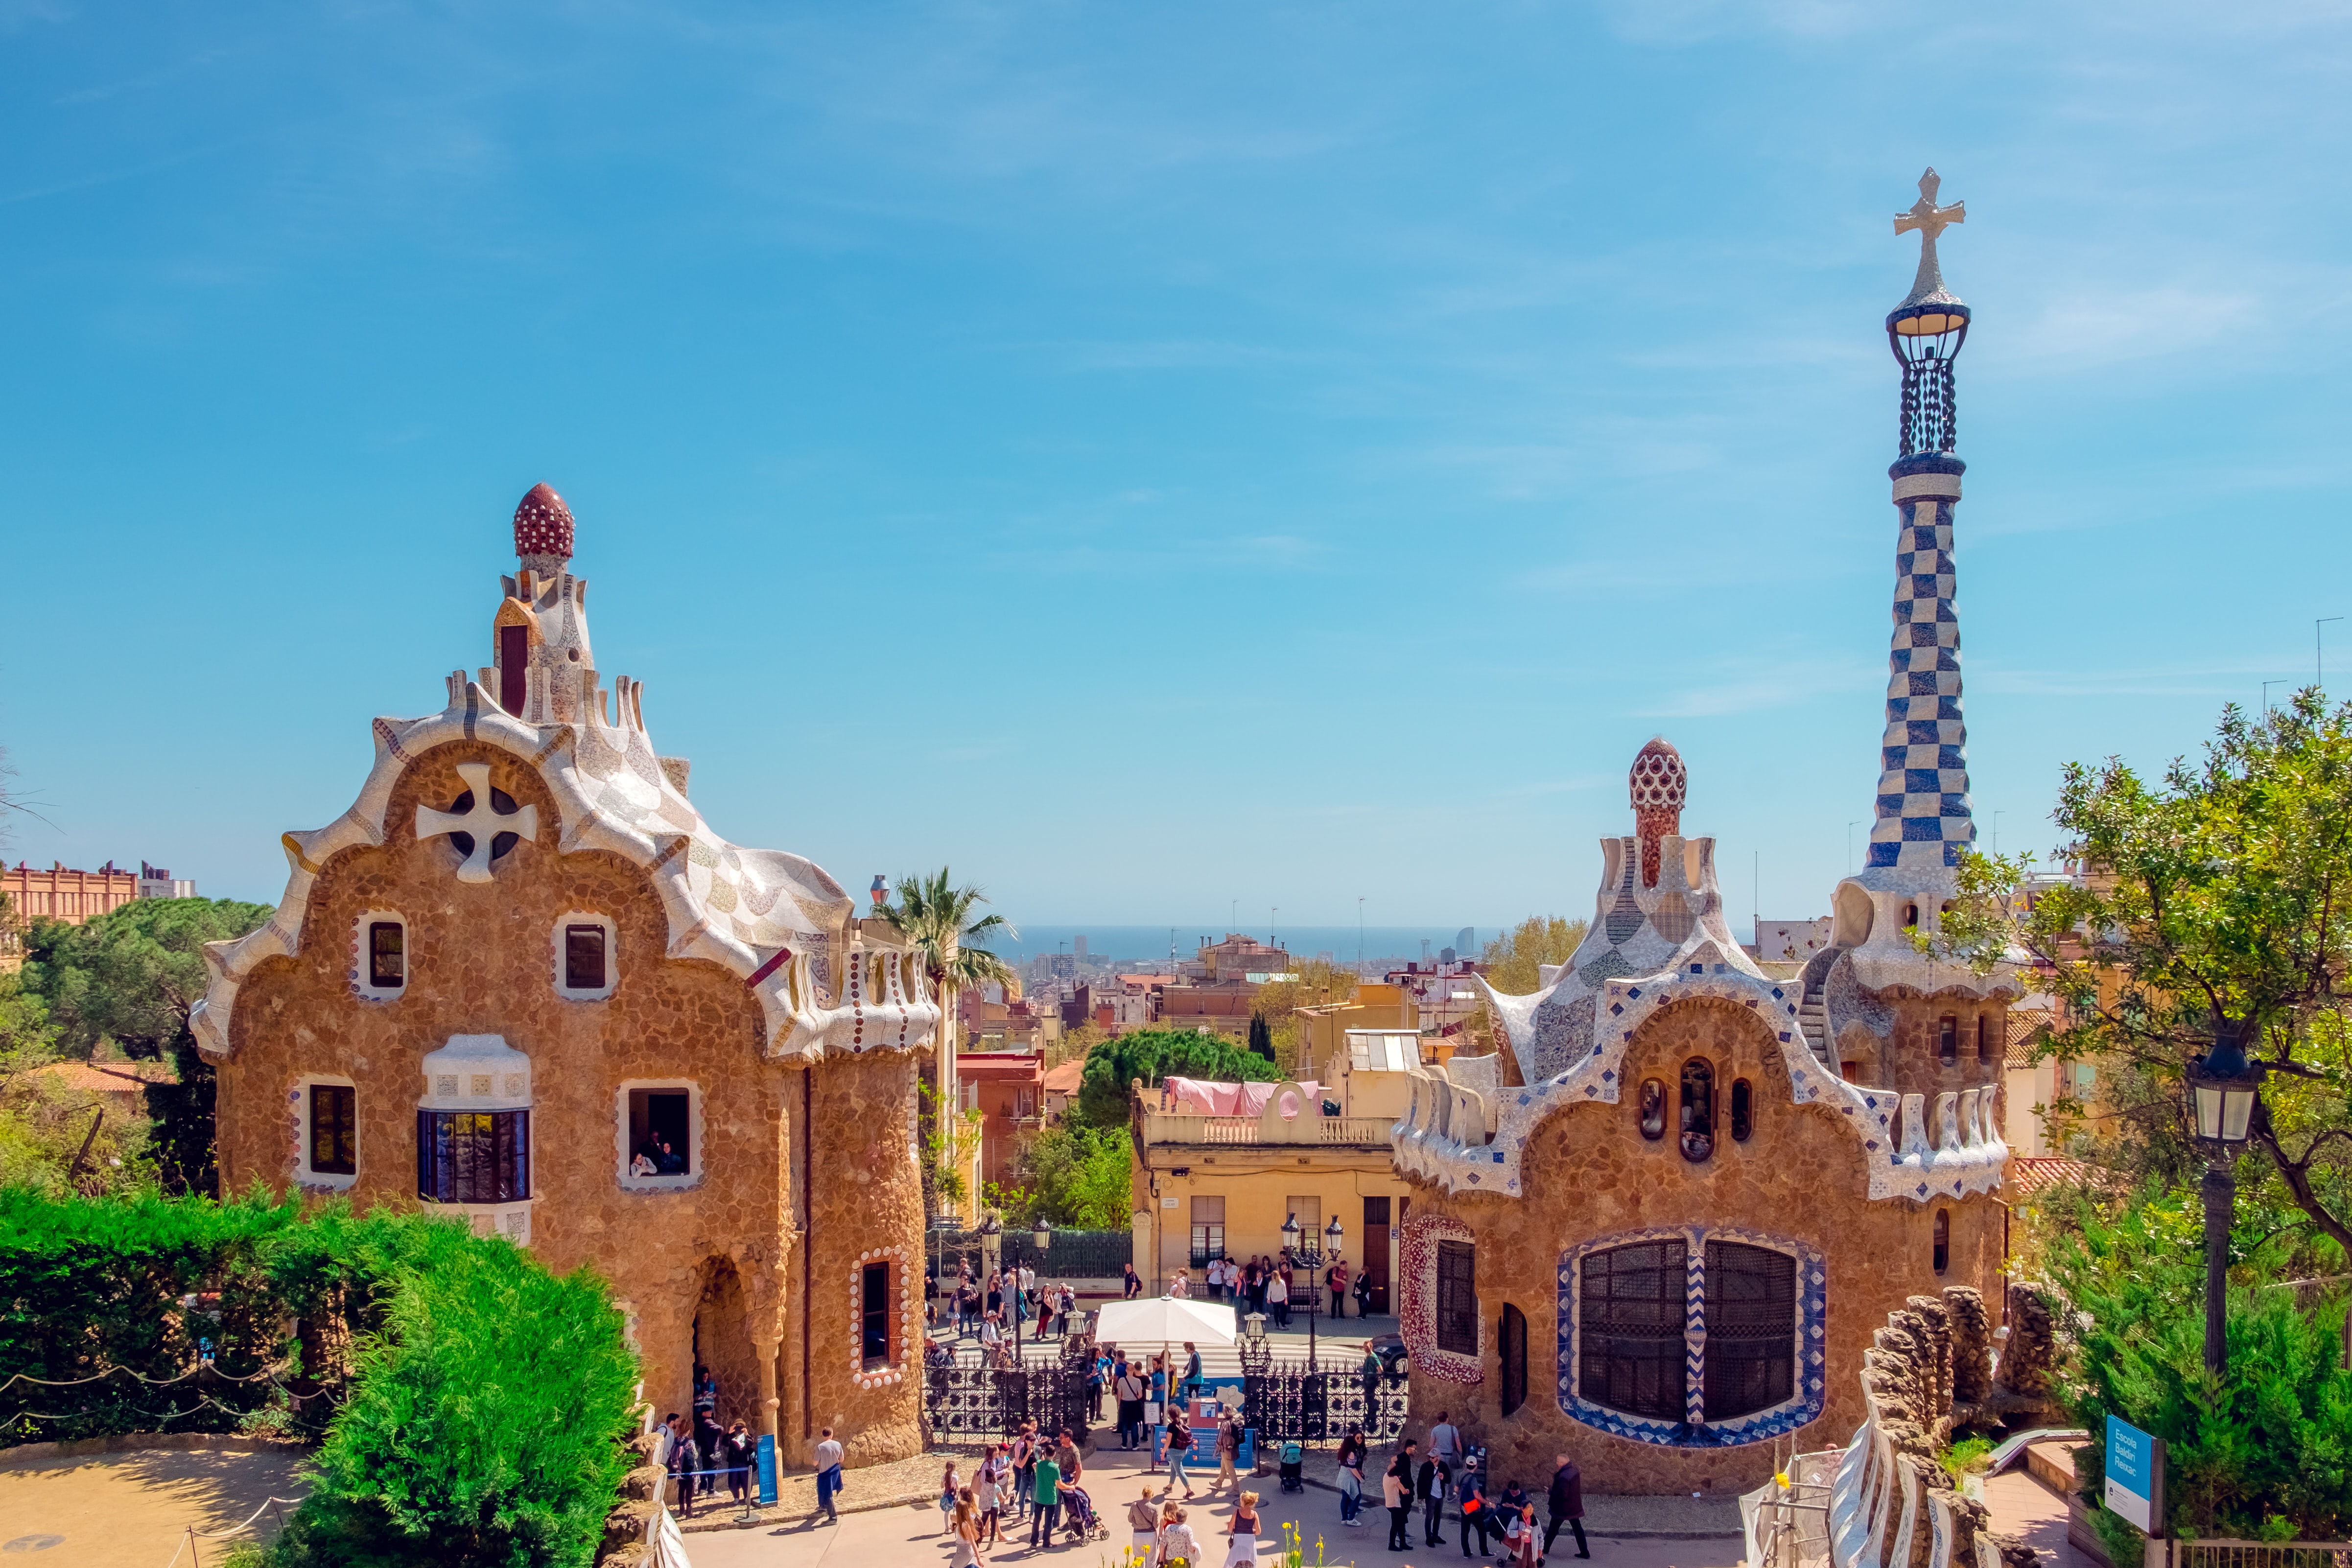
point(1695, 1431)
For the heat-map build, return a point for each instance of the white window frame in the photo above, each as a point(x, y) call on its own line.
point(623, 1153)
point(332, 1181)
point(612, 956)
point(361, 957)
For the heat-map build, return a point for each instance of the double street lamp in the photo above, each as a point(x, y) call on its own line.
point(1311, 1258)
point(2224, 1088)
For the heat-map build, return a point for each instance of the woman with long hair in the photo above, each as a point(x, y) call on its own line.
point(964, 1524)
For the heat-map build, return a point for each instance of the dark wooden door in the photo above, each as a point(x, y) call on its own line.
point(1375, 1253)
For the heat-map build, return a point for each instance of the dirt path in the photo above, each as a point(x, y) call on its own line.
point(133, 1509)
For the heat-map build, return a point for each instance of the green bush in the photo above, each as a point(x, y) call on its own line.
point(2261, 1453)
point(485, 1428)
point(1151, 1055)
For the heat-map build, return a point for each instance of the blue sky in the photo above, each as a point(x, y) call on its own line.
point(1151, 456)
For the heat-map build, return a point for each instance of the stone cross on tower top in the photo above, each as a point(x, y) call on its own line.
point(1930, 220)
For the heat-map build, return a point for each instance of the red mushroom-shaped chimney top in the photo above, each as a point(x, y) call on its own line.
point(1658, 783)
point(543, 525)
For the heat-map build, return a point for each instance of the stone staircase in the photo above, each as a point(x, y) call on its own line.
point(1813, 1018)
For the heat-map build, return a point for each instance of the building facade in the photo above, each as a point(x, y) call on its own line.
point(1659, 1229)
point(522, 981)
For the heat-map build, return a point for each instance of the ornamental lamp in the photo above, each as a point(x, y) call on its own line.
point(2224, 1086)
point(1254, 1326)
point(1041, 1238)
point(1290, 1232)
point(1331, 1235)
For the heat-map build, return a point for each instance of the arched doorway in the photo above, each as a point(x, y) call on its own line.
point(722, 1343)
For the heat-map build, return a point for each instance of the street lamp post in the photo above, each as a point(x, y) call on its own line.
point(1041, 1238)
point(1311, 1258)
point(2223, 1090)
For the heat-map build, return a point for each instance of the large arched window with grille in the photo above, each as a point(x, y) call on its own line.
point(1692, 1336)
point(1751, 1328)
point(1631, 1354)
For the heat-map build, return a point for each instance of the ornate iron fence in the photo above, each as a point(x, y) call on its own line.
point(1074, 1254)
point(1289, 1404)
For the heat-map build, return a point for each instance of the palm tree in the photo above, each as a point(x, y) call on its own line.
point(937, 919)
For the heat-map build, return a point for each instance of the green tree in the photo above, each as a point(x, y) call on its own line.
point(2214, 902)
point(2263, 1452)
point(1072, 1175)
point(1261, 1038)
point(131, 975)
point(1511, 960)
point(1152, 1054)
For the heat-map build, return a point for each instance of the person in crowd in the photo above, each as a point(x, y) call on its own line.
point(1179, 1285)
point(1241, 1550)
point(1396, 1492)
point(964, 1524)
point(677, 1456)
point(1436, 1485)
point(1363, 1294)
point(1513, 1498)
point(1193, 1381)
point(709, 1439)
point(742, 1449)
point(1098, 1379)
point(1229, 1449)
point(828, 1474)
point(1128, 1387)
point(1023, 1454)
point(987, 1493)
point(1370, 1375)
point(1046, 1487)
point(1176, 1542)
point(1520, 1536)
point(646, 1161)
point(1179, 1449)
point(950, 1487)
point(1143, 1524)
point(1065, 1454)
point(1470, 1506)
point(995, 1299)
point(1445, 1441)
point(1130, 1282)
point(672, 1160)
point(1565, 1504)
point(1336, 1276)
point(1354, 1450)
point(1278, 1300)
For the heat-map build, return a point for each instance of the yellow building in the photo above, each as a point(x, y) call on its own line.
point(1211, 1185)
point(1322, 1031)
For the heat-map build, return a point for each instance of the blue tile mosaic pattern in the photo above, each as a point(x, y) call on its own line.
point(1923, 812)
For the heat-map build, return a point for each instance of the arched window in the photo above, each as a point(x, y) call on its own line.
point(1943, 1239)
point(1514, 1338)
point(1698, 1109)
point(1743, 1110)
point(1948, 1041)
point(1910, 917)
point(1654, 1109)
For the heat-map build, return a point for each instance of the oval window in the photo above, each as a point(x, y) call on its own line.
point(1698, 1110)
point(1743, 1110)
point(1654, 1109)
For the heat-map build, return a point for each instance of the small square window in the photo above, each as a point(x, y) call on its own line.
point(661, 1139)
point(334, 1130)
point(387, 954)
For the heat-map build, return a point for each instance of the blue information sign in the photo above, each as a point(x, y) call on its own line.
point(2134, 1488)
point(766, 1470)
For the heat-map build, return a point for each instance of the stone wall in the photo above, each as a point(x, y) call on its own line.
point(481, 960)
point(1588, 1174)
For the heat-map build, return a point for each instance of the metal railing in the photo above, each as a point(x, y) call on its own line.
point(1165, 1127)
point(1072, 1255)
point(2261, 1553)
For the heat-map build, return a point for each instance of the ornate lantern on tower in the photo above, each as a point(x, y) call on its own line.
point(1925, 330)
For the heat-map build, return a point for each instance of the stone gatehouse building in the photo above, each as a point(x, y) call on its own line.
point(1659, 1228)
point(522, 980)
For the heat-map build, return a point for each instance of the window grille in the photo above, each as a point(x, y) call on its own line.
point(1457, 1296)
point(1752, 1329)
point(1631, 1345)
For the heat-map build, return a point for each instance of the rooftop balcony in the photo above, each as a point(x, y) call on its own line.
point(1161, 1127)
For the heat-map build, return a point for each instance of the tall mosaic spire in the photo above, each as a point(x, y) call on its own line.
point(1923, 821)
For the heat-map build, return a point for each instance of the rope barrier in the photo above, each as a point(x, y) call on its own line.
point(240, 1528)
point(269, 1372)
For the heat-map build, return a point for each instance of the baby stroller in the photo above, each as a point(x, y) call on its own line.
point(1294, 1466)
point(1079, 1518)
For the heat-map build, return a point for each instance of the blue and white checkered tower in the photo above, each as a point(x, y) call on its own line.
point(1923, 824)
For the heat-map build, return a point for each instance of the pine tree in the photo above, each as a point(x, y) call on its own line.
point(1261, 1038)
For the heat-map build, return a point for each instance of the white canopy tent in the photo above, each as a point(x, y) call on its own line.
point(1169, 1320)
